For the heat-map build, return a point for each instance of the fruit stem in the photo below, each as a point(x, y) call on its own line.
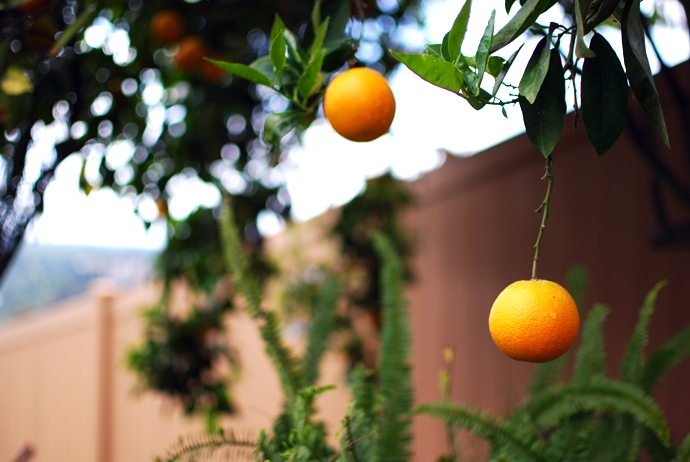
point(544, 210)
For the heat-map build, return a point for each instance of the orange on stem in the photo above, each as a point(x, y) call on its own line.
point(535, 321)
point(359, 104)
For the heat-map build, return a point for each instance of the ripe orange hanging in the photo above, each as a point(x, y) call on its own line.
point(535, 321)
point(359, 104)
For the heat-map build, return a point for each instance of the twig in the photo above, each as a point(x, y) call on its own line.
point(544, 210)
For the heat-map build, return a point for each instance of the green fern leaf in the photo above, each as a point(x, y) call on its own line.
point(560, 402)
point(281, 356)
point(394, 374)
point(662, 360)
point(322, 323)
point(656, 450)
point(204, 445)
point(633, 360)
point(589, 361)
point(520, 441)
point(683, 454)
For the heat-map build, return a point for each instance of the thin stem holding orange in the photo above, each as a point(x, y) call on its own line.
point(544, 210)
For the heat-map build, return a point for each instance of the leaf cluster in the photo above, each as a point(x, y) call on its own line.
point(591, 417)
point(179, 358)
point(297, 69)
point(542, 92)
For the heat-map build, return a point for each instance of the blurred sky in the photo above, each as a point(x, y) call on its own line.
point(326, 170)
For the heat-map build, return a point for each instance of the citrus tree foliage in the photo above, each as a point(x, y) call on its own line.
point(131, 93)
point(560, 55)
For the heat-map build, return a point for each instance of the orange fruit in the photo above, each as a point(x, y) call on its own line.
point(535, 321)
point(167, 26)
point(359, 104)
point(190, 54)
point(32, 7)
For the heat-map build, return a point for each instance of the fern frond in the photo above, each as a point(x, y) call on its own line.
point(576, 281)
point(562, 401)
point(394, 373)
point(571, 439)
point(284, 361)
point(662, 360)
point(322, 323)
point(656, 450)
point(205, 444)
point(507, 436)
point(683, 454)
point(547, 374)
point(589, 361)
point(633, 359)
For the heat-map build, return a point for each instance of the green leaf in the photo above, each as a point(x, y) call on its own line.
point(519, 441)
point(683, 454)
point(394, 374)
point(293, 48)
point(545, 118)
point(470, 81)
point(662, 360)
point(322, 323)
point(581, 50)
point(502, 74)
point(320, 36)
point(560, 402)
point(434, 50)
point(435, 71)
point(265, 66)
point(637, 66)
point(479, 101)
point(277, 48)
point(456, 35)
point(589, 360)
point(536, 70)
point(278, 125)
point(599, 12)
point(633, 362)
point(445, 54)
point(495, 66)
point(604, 91)
point(243, 71)
point(339, 13)
point(482, 56)
point(519, 23)
point(509, 5)
point(309, 80)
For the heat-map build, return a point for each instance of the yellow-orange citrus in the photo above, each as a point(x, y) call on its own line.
point(535, 321)
point(359, 104)
point(167, 26)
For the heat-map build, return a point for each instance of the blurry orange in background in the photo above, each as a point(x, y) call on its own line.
point(190, 54)
point(33, 7)
point(167, 26)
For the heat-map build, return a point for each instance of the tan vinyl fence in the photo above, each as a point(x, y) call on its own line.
point(65, 391)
